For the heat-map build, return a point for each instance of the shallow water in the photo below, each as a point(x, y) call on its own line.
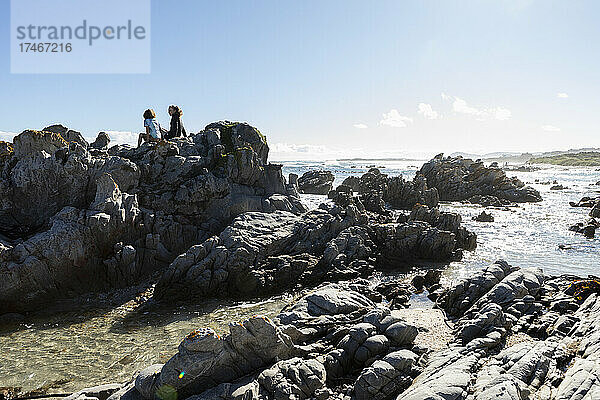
point(109, 345)
point(74, 350)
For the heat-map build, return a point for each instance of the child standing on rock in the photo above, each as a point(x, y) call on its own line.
point(152, 128)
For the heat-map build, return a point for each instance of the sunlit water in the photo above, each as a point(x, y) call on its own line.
point(74, 350)
point(527, 236)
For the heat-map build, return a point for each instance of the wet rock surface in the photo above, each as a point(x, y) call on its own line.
point(460, 179)
point(484, 217)
point(587, 228)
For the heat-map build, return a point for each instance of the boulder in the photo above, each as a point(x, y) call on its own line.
point(316, 182)
point(238, 135)
point(459, 179)
point(102, 141)
point(386, 377)
point(67, 134)
point(393, 190)
point(484, 217)
point(588, 228)
point(204, 359)
point(585, 201)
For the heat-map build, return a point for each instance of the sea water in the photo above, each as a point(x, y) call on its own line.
point(527, 236)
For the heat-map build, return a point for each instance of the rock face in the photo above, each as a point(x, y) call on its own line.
point(484, 217)
point(517, 334)
point(375, 189)
point(204, 359)
point(316, 182)
point(547, 359)
point(336, 333)
point(263, 253)
point(588, 228)
point(76, 218)
point(459, 179)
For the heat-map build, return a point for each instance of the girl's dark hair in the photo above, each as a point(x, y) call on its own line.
point(149, 114)
point(176, 109)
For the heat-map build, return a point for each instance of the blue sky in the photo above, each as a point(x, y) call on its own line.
point(346, 78)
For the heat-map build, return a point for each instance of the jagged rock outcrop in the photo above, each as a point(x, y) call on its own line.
point(334, 334)
point(294, 378)
point(316, 182)
point(517, 334)
point(459, 179)
point(58, 261)
point(102, 141)
point(76, 217)
point(588, 228)
point(531, 319)
point(447, 222)
point(204, 359)
point(264, 253)
point(375, 189)
point(484, 217)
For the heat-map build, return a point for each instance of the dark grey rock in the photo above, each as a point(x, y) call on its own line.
point(459, 179)
point(484, 217)
point(316, 182)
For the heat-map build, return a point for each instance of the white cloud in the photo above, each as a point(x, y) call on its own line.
point(427, 111)
point(446, 97)
point(298, 148)
point(550, 128)
point(460, 106)
point(7, 136)
point(394, 119)
point(121, 137)
point(296, 152)
point(562, 95)
point(360, 126)
point(502, 113)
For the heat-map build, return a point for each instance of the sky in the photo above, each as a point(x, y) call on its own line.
point(344, 78)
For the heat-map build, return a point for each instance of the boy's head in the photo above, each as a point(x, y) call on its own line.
point(149, 114)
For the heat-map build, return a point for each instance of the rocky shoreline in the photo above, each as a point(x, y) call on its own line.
point(515, 333)
point(209, 217)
